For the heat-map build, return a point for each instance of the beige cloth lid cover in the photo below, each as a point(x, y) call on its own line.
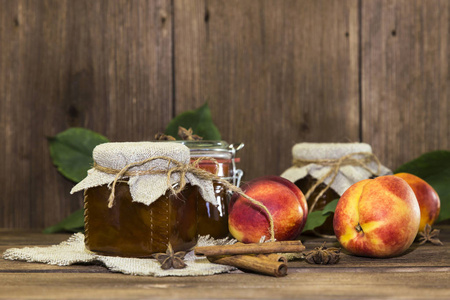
point(347, 175)
point(143, 188)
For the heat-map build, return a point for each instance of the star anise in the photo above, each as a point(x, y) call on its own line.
point(187, 134)
point(162, 137)
point(323, 255)
point(170, 259)
point(428, 235)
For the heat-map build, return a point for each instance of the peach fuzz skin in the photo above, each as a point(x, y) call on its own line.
point(429, 202)
point(377, 217)
point(248, 223)
point(300, 197)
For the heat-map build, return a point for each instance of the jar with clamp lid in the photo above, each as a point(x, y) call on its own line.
point(213, 220)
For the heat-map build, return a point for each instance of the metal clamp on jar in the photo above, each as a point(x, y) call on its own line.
point(213, 220)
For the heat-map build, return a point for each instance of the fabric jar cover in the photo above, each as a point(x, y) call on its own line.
point(347, 174)
point(143, 188)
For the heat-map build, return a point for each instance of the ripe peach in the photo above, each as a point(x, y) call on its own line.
point(377, 217)
point(284, 200)
point(427, 197)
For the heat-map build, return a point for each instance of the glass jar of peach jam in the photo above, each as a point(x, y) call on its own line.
point(213, 220)
point(130, 206)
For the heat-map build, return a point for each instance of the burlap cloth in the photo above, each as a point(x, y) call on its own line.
point(347, 174)
point(148, 187)
point(73, 251)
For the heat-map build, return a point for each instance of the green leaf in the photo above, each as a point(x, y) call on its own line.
point(73, 223)
point(330, 208)
point(315, 219)
point(71, 151)
point(434, 168)
point(199, 120)
point(318, 217)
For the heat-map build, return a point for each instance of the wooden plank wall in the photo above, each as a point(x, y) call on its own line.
point(405, 78)
point(274, 74)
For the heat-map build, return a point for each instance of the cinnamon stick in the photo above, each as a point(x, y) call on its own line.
point(258, 264)
point(261, 248)
point(273, 257)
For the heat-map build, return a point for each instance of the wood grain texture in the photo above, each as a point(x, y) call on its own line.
point(374, 285)
point(423, 272)
point(405, 78)
point(102, 65)
point(274, 73)
point(14, 120)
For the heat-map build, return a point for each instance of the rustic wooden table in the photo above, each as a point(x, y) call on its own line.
point(422, 273)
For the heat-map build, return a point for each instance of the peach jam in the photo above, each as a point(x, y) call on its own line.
point(134, 229)
point(212, 220)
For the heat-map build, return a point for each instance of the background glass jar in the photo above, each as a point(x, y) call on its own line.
point(213, 220)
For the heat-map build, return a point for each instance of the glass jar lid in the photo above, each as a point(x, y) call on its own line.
point(215, 149)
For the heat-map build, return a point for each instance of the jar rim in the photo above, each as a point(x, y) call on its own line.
point(212, 148)
point(199, 145)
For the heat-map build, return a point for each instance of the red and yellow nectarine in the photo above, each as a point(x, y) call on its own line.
point(377, 217)
point(284, 200)
point(427, 197)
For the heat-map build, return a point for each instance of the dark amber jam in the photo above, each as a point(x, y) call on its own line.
point(133, 229)
point(304, 185)
point(213, 220)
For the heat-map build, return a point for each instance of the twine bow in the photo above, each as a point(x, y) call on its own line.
point(182, 169)
point(360, 159)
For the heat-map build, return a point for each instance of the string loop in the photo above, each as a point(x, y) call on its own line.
point(359, 159)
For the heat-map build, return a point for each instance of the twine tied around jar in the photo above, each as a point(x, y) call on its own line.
point(182, 169)
point(359, 159)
